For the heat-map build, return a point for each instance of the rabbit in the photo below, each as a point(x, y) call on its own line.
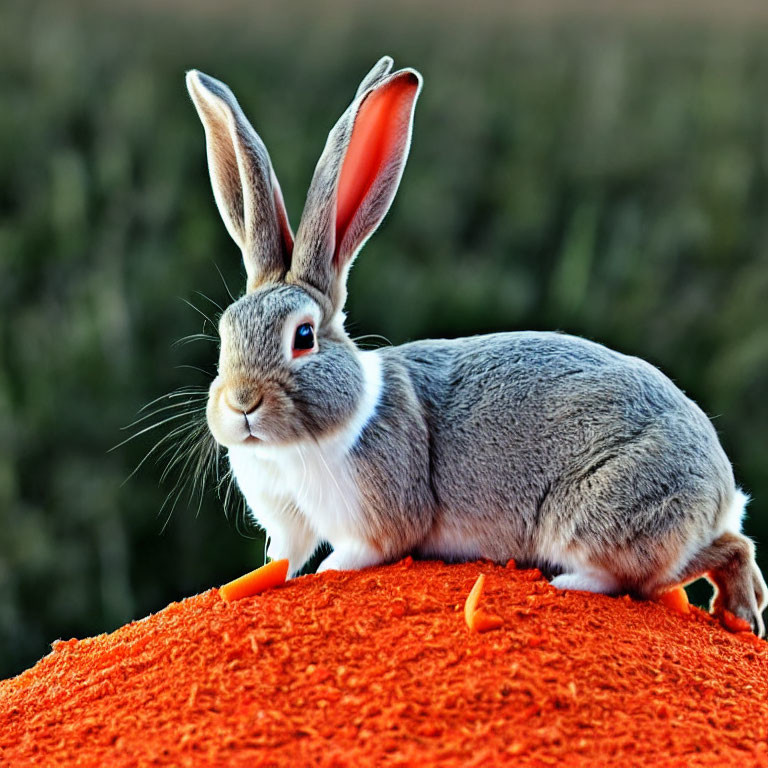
point(537, 446)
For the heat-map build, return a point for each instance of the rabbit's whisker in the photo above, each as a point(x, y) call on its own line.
point(376, 336)
point(172, 406)
point(210, 300)
point(200, 312)
point(155, 426)
point(184, 445)
point(195, 368)
point(159, 444)
point(206, 455)
point(183, 392)
point(239, 514)
point(304, 473)
point(191, 453)
point(194, 337)
point(333, 478)
point(221, 275)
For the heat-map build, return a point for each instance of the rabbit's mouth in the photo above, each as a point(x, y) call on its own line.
point(248, 416)
point(231, 423)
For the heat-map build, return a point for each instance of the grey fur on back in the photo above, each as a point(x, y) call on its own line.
point(542, 437)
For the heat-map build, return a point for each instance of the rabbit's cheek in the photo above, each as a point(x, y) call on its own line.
point(277, 419)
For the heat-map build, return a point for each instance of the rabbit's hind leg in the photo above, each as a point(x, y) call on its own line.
point(589, 580)
point(729, 563)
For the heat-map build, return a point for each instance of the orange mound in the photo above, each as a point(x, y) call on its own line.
point(379, 668)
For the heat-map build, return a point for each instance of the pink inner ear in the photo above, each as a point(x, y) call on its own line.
point(380, 129)
point(282, 219)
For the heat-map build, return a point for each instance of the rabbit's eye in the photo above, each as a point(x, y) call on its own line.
point(304, 340)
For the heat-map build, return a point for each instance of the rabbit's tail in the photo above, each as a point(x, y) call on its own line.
point(732, 514)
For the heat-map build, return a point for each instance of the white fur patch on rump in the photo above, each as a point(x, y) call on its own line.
point(734, 516)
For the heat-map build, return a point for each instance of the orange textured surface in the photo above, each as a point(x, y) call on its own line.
point(379, 668)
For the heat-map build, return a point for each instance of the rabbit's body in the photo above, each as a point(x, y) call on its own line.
point(602, 453)
point(541, 447)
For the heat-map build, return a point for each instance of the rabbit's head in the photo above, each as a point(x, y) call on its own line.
point(287, 368)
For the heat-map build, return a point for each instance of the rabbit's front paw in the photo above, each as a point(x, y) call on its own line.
point(296, 553)
point(351, 556)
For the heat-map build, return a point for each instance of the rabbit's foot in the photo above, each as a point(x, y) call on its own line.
point(587, 581)
point(729, 562)
point(295, 543)
point(740, 586)
point(351, 555)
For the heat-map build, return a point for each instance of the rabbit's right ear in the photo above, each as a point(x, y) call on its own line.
point(355, 180)
point(244, 184)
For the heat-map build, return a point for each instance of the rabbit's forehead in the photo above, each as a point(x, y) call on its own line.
point(259, 317)
point(267, 306)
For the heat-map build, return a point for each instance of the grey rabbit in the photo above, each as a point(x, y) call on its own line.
point(541, 447)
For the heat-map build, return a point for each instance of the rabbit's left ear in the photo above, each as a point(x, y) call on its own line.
point(355, 180)
point(244, 184)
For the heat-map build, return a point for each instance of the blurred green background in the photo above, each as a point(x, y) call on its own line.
point(601, 174)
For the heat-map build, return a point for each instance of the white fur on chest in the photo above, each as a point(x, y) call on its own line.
point(313, 476)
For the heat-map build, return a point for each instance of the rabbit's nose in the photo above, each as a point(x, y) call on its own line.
point(243, 400)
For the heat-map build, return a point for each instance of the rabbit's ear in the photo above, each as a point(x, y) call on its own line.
point(355, 180)
point(244, 184)
point(378, 72)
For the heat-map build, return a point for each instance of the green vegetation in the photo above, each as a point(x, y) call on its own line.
point(605, 178)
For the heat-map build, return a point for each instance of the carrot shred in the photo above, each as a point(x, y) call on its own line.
point(675, 599)
point(479, 620)
point(483, 621)
point(473, 598)
point(268, 576)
